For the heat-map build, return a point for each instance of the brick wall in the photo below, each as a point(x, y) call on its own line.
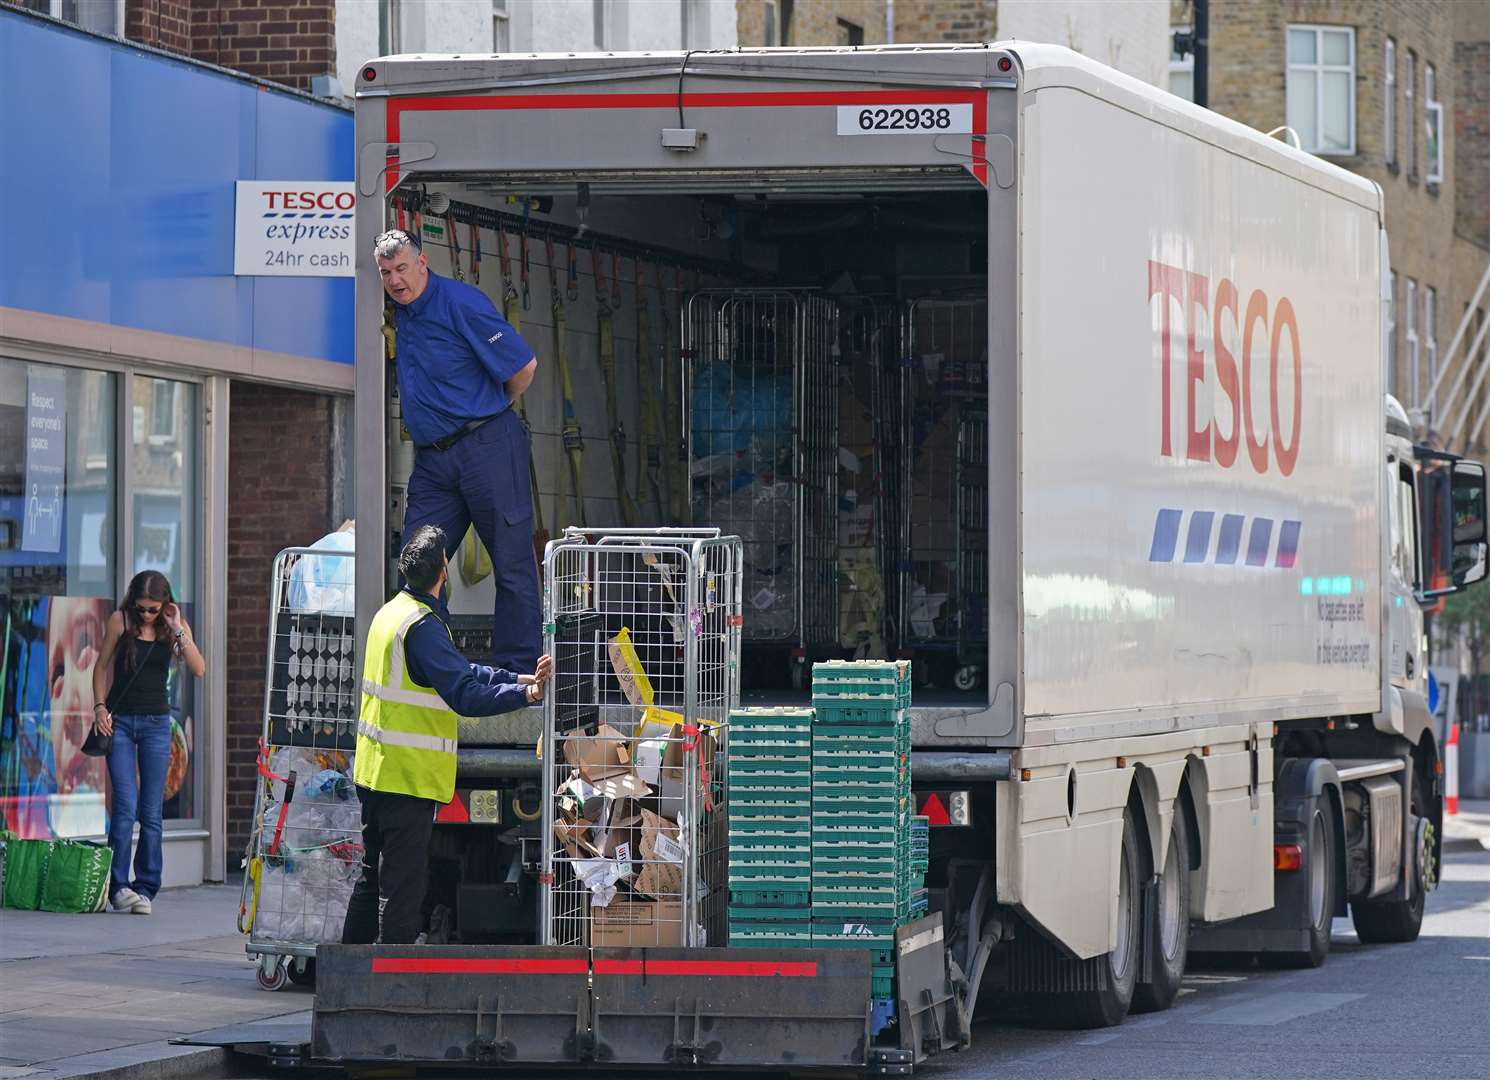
point(1472, 122)
point(810, 22)
point(285, 41)
point(933, 21)
point(165, 24)
point(279, 483)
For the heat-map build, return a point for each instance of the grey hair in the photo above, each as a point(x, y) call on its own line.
point(390, 243)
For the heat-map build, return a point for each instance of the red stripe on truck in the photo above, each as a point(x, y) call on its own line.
point(449, 965)
point(714, 100)
point(753, 968)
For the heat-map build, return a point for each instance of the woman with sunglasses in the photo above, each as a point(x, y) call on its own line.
point(140, 642)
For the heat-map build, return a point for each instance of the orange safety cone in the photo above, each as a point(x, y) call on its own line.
point(1451, 772)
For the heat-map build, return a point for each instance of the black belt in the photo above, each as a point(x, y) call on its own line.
point(460, 433)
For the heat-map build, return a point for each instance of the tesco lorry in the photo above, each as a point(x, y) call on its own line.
point(1198, 720)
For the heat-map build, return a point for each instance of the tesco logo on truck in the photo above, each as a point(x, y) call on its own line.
point(1269, 430)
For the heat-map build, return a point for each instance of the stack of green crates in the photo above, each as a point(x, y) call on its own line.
point(920, 859)
point(861, 803)
point(770, 841)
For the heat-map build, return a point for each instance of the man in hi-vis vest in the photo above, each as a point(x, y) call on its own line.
point(414, 684)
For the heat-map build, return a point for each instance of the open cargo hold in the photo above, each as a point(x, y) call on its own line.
point(725, 368)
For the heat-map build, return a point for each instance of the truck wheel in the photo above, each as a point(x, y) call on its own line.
point(1321, 893)
point(1108, 1006)
point(1391, 922)
point(1169, 944)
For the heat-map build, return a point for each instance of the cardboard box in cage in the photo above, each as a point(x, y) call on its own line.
point(632, 923)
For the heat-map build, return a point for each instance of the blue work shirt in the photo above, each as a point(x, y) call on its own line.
point(434, 661)
point(455, 355)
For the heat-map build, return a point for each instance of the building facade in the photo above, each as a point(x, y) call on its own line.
point(190, 415)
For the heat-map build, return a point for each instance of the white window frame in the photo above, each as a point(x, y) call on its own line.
point(1430, 336)
point(1409, 109)
point(1320, 68)
point(1389, 99)
point(501, 26)
point(1410, 334)
point(1432, 123)
point(1180, 64)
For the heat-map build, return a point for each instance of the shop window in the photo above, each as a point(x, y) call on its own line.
point(57, 581)
point(166, 515)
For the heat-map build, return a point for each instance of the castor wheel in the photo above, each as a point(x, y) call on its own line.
point(966, 677)
point(271, 972)
point(302, 970)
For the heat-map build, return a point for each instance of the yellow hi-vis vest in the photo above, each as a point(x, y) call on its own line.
point(406, 734)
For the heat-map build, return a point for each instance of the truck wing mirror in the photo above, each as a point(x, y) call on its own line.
point(1470, 563)
point(1469, 503)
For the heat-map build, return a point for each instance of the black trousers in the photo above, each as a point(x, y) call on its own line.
point(395, 869)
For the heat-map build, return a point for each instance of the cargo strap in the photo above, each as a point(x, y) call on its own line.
point(512, 312)
point(604, 307)
point(672, 376)
point(574, 440)
point(649, 451)
point(455, 270)
point(475, 235)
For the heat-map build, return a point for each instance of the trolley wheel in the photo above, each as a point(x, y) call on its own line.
point(302, 970)
point(966, 677)
point(270, 972)
point(798, 673)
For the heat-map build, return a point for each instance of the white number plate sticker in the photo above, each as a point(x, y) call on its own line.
point(905, 119)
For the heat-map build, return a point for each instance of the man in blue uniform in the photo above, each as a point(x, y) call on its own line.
point(461, 366)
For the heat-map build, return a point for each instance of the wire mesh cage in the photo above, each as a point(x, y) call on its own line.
point(304, 853)
point(761, 403)
point(942, 572)
point(644, 629)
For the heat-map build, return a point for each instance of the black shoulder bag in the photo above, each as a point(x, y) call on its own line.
point(97, 744)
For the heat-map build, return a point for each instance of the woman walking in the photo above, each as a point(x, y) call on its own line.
point(140, 642)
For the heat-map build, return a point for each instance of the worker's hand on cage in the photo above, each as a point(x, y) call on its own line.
point(541, 675)
point(535, 693)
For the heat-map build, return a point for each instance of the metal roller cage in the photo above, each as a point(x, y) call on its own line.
point(643, 628)
point(761, 413)
point(305, 852)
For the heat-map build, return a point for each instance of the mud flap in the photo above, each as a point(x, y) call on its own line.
point(403, 1003)
point(927, 1011)
point(727, 1007)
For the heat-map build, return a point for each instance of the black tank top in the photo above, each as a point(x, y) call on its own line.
point(141, 691)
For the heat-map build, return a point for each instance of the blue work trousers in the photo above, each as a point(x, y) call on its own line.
point(483, 480)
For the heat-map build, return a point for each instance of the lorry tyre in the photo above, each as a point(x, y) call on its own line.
point(1108, 1006)
point(1169, 943)
point(1320, 896)
point(1390, 922)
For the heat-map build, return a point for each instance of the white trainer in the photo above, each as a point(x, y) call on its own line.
point(126, 899)
point(142, 905)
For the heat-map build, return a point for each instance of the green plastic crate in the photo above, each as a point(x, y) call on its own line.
point(785, 898)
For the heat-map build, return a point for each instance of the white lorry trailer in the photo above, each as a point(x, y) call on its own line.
point(1198, 530)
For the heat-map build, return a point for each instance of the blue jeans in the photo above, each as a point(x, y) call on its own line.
point(142, 749)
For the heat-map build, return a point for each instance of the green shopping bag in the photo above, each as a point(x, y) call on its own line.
point(25, 871)
point(77, 877)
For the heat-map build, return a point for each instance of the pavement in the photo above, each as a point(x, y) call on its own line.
point(102, 996)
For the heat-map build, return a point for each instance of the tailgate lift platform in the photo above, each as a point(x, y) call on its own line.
point(801, 1008)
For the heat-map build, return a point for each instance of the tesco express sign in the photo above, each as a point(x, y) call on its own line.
point(293, 228)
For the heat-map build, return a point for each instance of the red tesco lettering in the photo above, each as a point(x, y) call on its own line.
point(311, 200)
point(1275, 443)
